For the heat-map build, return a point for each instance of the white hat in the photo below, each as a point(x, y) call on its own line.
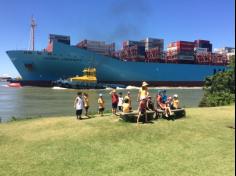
point(144, 84)
point(175, 96)
point(100, 95)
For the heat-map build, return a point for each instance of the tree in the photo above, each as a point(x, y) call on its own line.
point(219, 89)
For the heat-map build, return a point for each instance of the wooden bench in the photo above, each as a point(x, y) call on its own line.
point(132, 116)
point(178, 113)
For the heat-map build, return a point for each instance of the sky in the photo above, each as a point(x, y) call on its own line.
point(113, 21)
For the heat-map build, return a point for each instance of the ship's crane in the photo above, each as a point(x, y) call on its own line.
point(32, 29)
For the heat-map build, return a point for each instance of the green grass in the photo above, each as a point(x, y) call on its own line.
point(200, 144)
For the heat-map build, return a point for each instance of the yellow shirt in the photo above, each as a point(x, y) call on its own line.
point(86, 101)
point(126, 107)
point(176, 103)
point(143, 93)
point(127, 97)
point(101, 103)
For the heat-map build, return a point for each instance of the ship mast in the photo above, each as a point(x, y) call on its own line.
point(32, 29)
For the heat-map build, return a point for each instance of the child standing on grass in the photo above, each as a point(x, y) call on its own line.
point(101, 105)
point(86, 103)
point(78, 104)
point(120, 102)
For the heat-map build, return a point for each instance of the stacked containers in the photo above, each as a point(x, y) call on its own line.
point(181, 50)
point(134, 49)
point(99, 47)
point(203, 44)
point(153, 43)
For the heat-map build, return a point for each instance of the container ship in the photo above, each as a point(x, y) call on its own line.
point(184, 63)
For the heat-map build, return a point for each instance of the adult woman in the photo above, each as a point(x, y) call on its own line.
point(143, 92)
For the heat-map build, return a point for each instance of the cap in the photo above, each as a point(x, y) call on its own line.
point(175, 96)
point(144, 84)
point(100, 95)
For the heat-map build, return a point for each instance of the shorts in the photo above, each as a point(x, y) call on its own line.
point(100, 109)
point(79, 112)
point(143, 111)
point(120, 108)
point(114, 105)
point(86, 107)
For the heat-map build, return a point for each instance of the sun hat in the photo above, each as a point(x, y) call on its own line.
point(100, 95)
point(144, 84)
point(175, 96)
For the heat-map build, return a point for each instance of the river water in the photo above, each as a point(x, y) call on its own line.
point(29, 102)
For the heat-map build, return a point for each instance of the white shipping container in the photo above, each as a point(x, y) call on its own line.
point(172, 48)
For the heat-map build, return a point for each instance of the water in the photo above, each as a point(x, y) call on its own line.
point(30, 102)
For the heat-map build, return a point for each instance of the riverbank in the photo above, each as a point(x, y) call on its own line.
point(200, 144)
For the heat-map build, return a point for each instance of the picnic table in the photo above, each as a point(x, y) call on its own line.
point(132, 116)
point(178, 113)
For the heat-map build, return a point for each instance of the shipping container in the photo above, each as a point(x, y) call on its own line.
point(200, 50)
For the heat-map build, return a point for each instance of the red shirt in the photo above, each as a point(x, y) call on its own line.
point(114, 98)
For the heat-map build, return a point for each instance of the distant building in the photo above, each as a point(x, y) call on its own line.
point(229, 51)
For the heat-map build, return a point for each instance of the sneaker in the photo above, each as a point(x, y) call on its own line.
point(166, 115)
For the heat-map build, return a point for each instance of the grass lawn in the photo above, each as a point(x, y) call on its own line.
point(200, 144)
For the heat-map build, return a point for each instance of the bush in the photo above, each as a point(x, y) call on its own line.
point(219, 89)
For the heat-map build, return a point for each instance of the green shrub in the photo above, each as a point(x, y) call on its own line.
point(219, 89)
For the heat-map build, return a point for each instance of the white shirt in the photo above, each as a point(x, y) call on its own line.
point(79, 103)
point(120, 102)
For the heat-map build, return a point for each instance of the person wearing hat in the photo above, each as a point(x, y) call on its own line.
point(101, 104)
point(114, 101)
point(175, 102)
point(142, 109)
point(143, 92)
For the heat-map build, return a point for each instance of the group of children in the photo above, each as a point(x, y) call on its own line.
point(124, 103)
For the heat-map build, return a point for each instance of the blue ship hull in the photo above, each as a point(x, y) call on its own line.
point(67, 61)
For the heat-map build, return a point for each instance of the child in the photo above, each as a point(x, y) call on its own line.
point(142, 109)
point(101, 105)
point(128, 96)
point(78, 104)
point(126, 106)
point(164, 96)
point(150, 105)
point(120, 102)
point(162, 105)
point(86, 103)
point(176, 102)
point(114, 101)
